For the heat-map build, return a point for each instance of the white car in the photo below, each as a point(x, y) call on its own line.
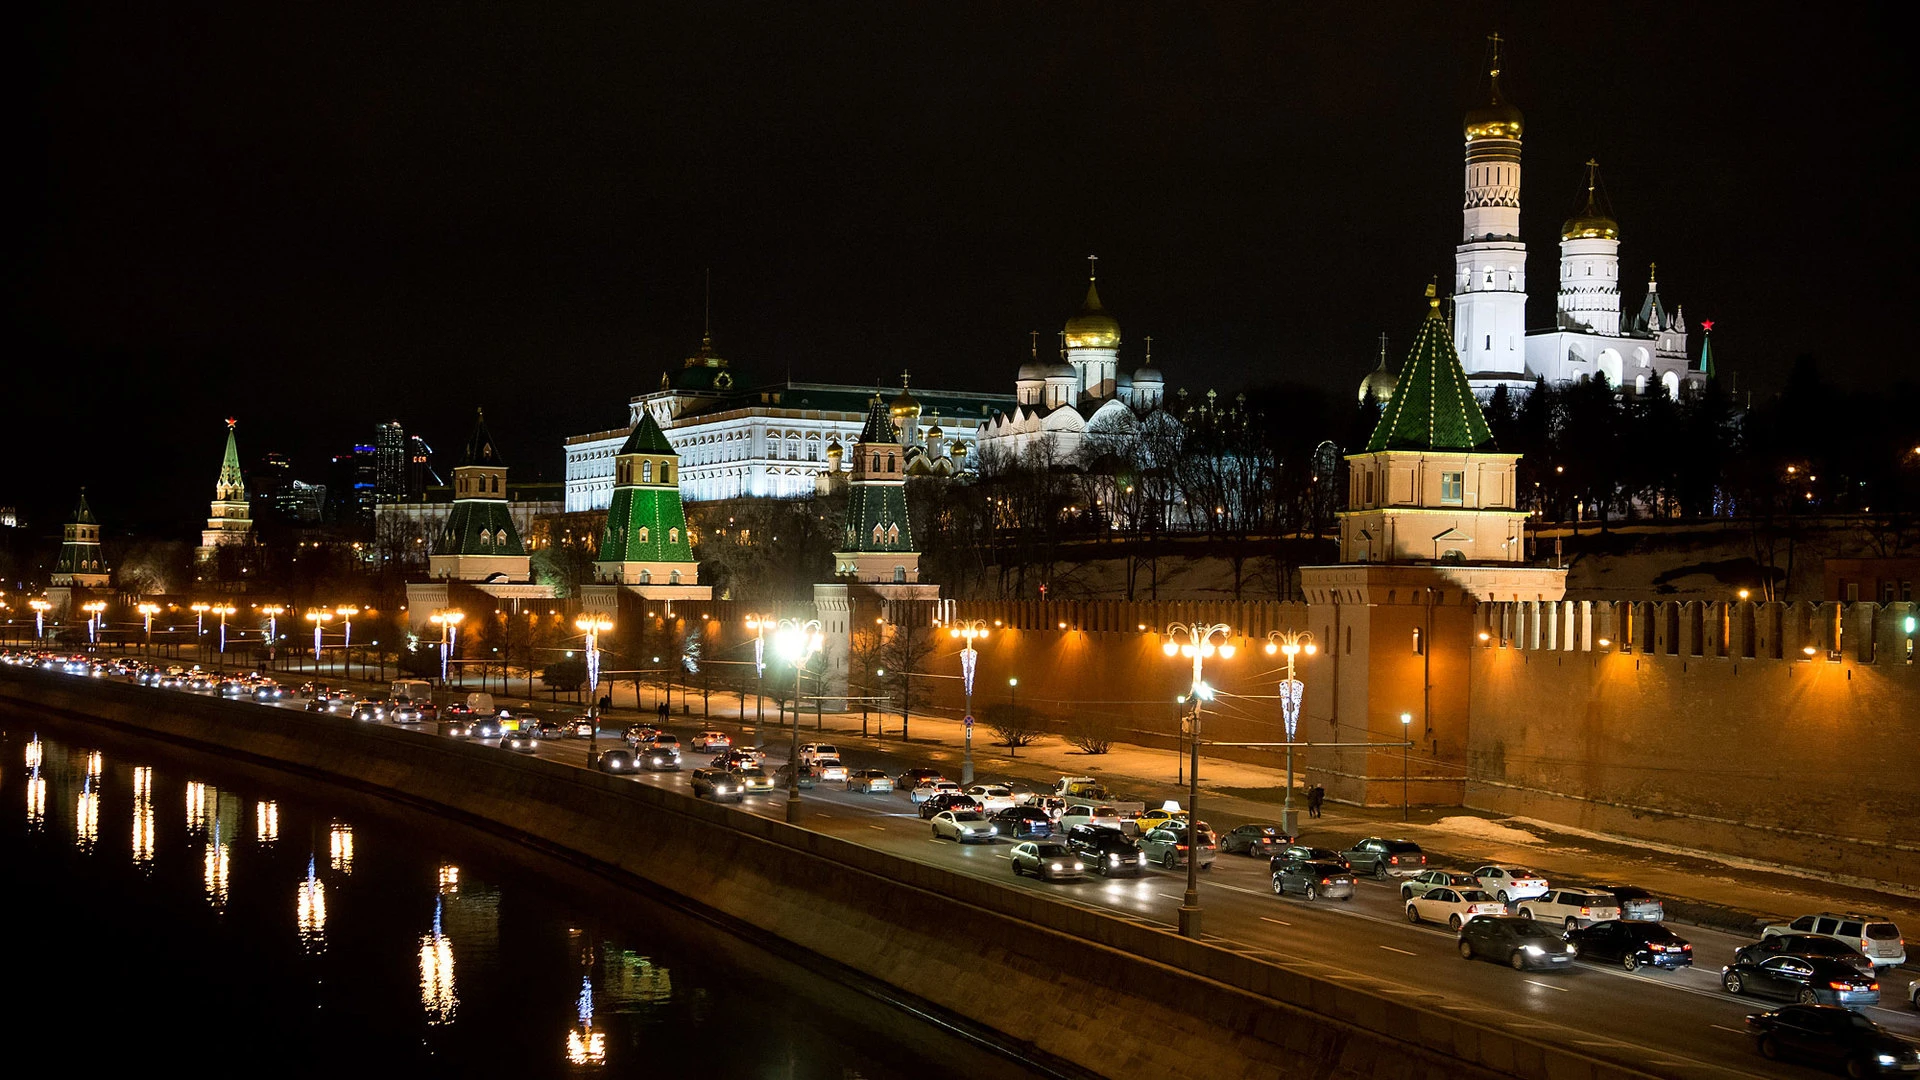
point(931, 788)
point(964, 826)
point(1876, 937)
point(1510, 883)
point(1570, 908)
point(829, 768)
point(1428, 880)
point(993, 797)
point(1452, 906)
point(809, 751)
point(1106, 817)
point(712, 740)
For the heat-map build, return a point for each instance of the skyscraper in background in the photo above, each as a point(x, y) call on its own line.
point(390, 462)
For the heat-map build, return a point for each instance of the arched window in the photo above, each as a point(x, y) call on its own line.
point(892, 466)
point(878, 533)
point(646, 577)
point(646, 472)
point(673, 578)
point(899, 575)
point(893, 534)
point(666, 473)
point(1453, 555)
point(876, 463)
point(673, 535)
point(643, 534)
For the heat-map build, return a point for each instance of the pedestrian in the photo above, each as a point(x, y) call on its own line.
point(663, 711)
point(1315, 796)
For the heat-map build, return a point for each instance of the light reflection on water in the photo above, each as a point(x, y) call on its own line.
point(366, 943)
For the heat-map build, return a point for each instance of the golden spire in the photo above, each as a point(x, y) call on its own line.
point(1652, 278)
point(1493, 65)
point(1149, 350)
point(1433, 300)
point(1091, 276)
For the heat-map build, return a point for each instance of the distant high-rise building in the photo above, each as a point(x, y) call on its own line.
point(352, 480)
point(420, 474)
point(389, 462)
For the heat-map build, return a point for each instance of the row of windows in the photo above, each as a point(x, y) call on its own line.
point(673, 535)
point(622, 471)
point(488, 485)
point(1453, 486)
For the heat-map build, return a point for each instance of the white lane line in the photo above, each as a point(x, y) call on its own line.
point(881, 828)
point(1599, 1042)
point(1402, 952)
point(1173, 896)
point(1281, 922)
point(997, 855)
point(1549, 986)
point(1241, 888)
point(1723, 1027)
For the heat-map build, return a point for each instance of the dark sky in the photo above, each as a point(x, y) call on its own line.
point(317, 216)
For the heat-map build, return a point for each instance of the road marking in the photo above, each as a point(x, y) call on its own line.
point(1240, 888)
point(1173, 896)
point(1402, 952)
point(1722, 1027)
point(997, 855)
point(1282, 922)
point(881, 828)
point(1549, 986)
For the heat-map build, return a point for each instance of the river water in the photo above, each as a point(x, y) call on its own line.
point(164, 910)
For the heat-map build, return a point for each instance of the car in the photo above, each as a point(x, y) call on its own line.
point(1148, 820)
point(406, 712)
point(1631, 943)
point(1101, 815)
point(1570, 907)
point(640, 733)
point(1309, 853)
point(268, 690)
point(368, 709)
point(1634, 902)
point(965, 826)
point(619, 761)
point(309, 689)
point(1107, 852)
point(1313, 880)
point(1260, 840)
point(948, 800)
point(1455, 907)
point(870, 781)
point(992, 797)
point(486, 727)
point(809, 751)
point(711, 740)
point(1913, 993)
point(1805, 945)
point(829, 768)
point(1428, 880)
point(1168, 846)
point(658, 758)
point(1510, 883)
point(753, 780)
point(1509, 939)
point(716, 784)
point(1874, 935)
point(1023, 822)
point(541, 728)
point(317, 705)
point(784, 776)
point(733, 759)
point(1046, 861)
point(1832, 1036)
point(749, 755)
point(1809, 980)
point(458, 710)
point(582, 727)
point(931, 787)
point(520, 742)
point(232, 688)
point(912, 780)
point(1383, 858)
point(665, 740)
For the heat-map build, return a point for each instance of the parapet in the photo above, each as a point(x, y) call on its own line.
point(1865, 633)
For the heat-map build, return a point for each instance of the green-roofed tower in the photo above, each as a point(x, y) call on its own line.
point(646, 540)
point(878, 546)
point(479, 541)
point(230, 518)
point(1430, 486)
point(80, 564)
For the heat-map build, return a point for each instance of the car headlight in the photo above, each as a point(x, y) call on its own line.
point(1570, 950)
point(1887, 1059)
point(1079, 866)
point(1534, 950)
point(1056, 866)
point(1114, 859)
point(993, 830)
point(1140, 859)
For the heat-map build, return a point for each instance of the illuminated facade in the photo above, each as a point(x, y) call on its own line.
point(80, 564)
point(230, 520)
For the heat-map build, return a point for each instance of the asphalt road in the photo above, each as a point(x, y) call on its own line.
point(1677, 1023)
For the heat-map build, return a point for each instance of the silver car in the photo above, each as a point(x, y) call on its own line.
point(1047, 861)
point(1167, 847)
point(966, 826)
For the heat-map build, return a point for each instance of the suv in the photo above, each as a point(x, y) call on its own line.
point(809, 751)
point(1107, 852)
point(1873, 935)
point(1381, 858)
point(1635, 902)
point(1168, 846)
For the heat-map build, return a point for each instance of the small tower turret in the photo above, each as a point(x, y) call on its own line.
point(479, 541)
point(80, 564)
point(646, 541)
point(878, 545)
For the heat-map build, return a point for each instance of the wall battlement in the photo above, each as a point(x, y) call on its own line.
point(1801, 631)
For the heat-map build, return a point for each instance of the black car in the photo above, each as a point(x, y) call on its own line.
point(487, 727)
point(783, 777)
point(950, 800)
point(1107, 852)
point(1023, 822)
point(1832, 1036)
point(1519, 943)
point(1808, 980)
point(718, 785)
point(1804, 945)
point(1255, 840)
point(1313, 880)
point(1307, 853)
point(658, 758)
point(545, 728)
point(1630, 943)
point(618, 761)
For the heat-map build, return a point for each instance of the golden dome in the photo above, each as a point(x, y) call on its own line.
point(1591, 223)
point(905, 404)
point(1093, 328)
point(1496, 119)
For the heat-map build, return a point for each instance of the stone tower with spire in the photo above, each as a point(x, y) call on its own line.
point(646, 540)
point(230, 520)
point(1490, 264)
point(80, 565)
point(878, 546)
point(479, 541)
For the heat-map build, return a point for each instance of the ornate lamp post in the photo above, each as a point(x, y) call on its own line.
point(1197, 644)
point(346, 613)
point(448, 621)
point(40, 608)
point(319, 619)
point(273, 613)
point(760, 624)
point(147, 612)
point(593, 624)
point(93, 608)
point(200, 609)
point(969, 659)
point(1406, 734)
point(1290, 643)
point(224, 610)
point(796, 643)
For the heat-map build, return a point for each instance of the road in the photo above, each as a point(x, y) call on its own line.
point(1679, 1024)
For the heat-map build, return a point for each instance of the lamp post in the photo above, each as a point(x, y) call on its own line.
point(346, 613)
point(969, 659)
point(1406, 743)
point(273, 613)
point(760, 624)
point(147, 612)
point(93, 608)
point(796, 642)
point(319, 619)
point(200, 609)
point(449, 622)
point(592, 624)
point(40, 608)
point(1290, 643)
point(1197, 646)
point(224, 610)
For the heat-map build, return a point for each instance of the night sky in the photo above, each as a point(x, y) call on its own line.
point(318, 216)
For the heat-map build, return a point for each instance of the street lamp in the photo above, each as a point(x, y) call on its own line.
point(318, 619)
point(1197, 646)
point(147, 612)
point(1406, 743)
point(224, 610)
point(796, 643)
point(93, 608)
point(448, 621)
point(760, 624)
point(273, 613)
point(40, 608)
point(200, 610)
point(1290, 643)
point(592, 624)
point(346, 613)
point(969, 658)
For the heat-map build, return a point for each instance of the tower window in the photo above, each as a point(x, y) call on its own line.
point(1452, 487)
point(673, 535)
point(646, 472)
point(1489, 339)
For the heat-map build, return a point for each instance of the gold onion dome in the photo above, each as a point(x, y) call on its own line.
point(1496, 119)
point(905, 404)
point(1093, 328)
point(1591, 223)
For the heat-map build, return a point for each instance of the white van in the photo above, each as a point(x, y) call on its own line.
point(482, 705)
point(419, 690)
point(809, 751)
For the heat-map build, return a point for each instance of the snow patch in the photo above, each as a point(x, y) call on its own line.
point(1481, 828)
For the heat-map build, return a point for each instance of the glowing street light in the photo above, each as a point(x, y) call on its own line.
point(224, 610)
point(592, 624)
point(760, 624)
point(449, 622)
point(1290, 643)
point(273, 613)
point(319, 619)
point(200, 610)
point(93, 608)
point(1198, 645)
point(969, 658)
point(40, 608)
point(796, 642)
point(147, 611)
point(346, 613)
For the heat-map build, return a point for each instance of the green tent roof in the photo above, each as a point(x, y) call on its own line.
point(647, 438)
point(83, 514)
point(480, 448)
point(879, 427)
point(1433, 407)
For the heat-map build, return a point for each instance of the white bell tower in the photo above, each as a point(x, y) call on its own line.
point(1490, 265)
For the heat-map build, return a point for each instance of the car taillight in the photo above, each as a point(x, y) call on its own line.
point(1840, 986)
point(1395, 859)
point(1686, 948)
point(1326, 881)
point(1585, 912)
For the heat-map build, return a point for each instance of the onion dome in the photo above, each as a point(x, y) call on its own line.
point(905, 404)
point(834, 449)
point(1032, 371)
point(1060, 369)
point(1379, 384)
point(1496, 119)
point(1592, 222)
point(1093, 328)
point(934, 432)
point(1146, 373)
